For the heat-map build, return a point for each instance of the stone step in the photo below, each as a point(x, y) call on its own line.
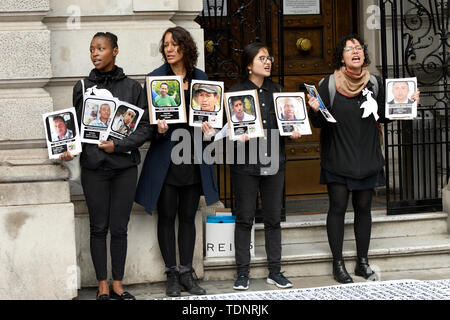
point(314, 259)
point(312, 228)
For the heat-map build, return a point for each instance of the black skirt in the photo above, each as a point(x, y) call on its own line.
point(371, 182)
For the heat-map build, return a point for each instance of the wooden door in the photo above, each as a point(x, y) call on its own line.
point(308, 43)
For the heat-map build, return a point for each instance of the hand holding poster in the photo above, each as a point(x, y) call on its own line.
point(166, 99)
point(125, 121)
point(61, 128)
point(206, 103)
point(96, 117)
point(399, 104)
point(313, 91)
point(291, 113)
point(243, 114)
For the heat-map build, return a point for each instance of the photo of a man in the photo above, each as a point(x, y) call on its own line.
point(206, 97)
point(239, 115)
point(62, 132)
point(104, 116)
point(163, 99)
point(400, 92)
point(123, 123)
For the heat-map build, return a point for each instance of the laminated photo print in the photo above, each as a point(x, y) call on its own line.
point(96, 118)
point(206, 103)
point(61, 132)
point(166, 99)
point(398, 98)
point(125, 121)
point(291, 113)
point(313, 92)
point(243, 114)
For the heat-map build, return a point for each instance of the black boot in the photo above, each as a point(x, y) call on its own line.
point(173, 283)
point(363, 269)
point(340, 274)
point(190, 284)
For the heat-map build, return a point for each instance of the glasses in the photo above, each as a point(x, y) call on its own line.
point(264, 59)
point(350, 48)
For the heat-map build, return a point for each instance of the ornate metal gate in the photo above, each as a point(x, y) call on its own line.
point(417, 151)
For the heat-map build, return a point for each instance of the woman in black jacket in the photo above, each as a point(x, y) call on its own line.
point(267, 178)
point(109, 170)
point(351, 157)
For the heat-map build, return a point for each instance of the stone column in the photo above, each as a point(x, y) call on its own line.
point(37, 235)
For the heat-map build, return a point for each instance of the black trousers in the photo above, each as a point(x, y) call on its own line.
point(245, 188)
point(182, 201)
point(109, 197)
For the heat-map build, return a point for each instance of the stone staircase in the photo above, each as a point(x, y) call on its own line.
point(398, 243)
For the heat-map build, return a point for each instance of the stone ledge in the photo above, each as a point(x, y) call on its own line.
point(33, 173)
point(34, 193)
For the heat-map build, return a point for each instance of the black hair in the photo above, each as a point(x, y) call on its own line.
point(339, 50)
point(236, 98)
point(165, 83)
point(250, 52)
point(110, 36)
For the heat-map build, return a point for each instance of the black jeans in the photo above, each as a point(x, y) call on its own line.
point(109, 197)
point(245, 188)
point(181, 200)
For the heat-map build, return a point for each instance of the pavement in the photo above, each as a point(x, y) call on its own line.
point(153, 291)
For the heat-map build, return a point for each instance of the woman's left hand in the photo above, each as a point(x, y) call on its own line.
point(107, 146)
point(295, 135)
point(416, 96)
point(208, 130)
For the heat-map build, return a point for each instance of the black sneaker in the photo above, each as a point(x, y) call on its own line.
point(279, 280)
point(190, 284)
point(241, 282)
point(173, 283)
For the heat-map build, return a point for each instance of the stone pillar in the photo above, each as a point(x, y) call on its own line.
point(37, 235)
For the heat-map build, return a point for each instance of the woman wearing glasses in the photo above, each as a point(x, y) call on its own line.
point(267, 178)
point(351, 157)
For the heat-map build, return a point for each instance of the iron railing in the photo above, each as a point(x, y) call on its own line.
point(417, 151)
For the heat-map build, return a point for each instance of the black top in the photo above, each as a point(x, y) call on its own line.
point(351, 147)
point(269, 121)
point(125, 89)
point(185, 173)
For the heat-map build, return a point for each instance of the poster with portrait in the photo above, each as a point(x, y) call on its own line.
point(206, 103)
point(96, 117)
point(291, 113)
point(243, 114)
point(398, 98)
point(124, 122)
point(61, 132)
point(166, 99)
point(323, 110)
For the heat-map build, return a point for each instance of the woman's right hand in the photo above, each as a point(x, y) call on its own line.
point(313, 103)
point(66, 156)
point(162, 126)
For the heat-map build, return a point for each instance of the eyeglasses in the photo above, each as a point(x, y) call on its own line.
point(350, 48)
point(264, 59)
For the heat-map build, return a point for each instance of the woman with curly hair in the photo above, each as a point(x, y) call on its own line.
point(351, 157)
point(176, 188)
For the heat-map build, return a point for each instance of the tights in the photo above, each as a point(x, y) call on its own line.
point(361, 200)
point(182, 201)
